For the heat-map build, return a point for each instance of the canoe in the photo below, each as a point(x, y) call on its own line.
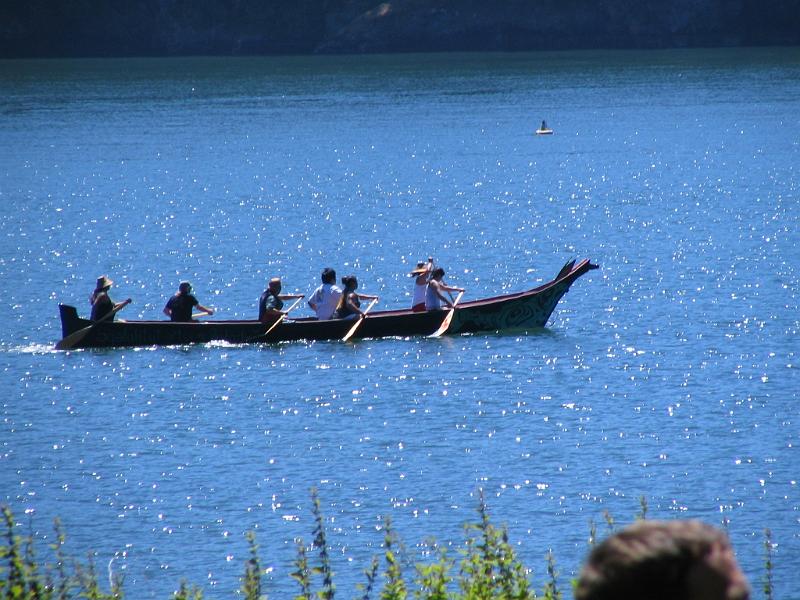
point(521, 310)
point(544, 132)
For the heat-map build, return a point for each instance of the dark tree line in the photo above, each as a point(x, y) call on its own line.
point(47, 28)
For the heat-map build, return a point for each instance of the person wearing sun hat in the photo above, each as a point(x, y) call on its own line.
point(421, 275)
point(100, 300)
point(179, 307)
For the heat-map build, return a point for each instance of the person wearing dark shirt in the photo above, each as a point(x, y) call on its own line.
point(270, 305)
point(100, 300)
point(179, 307)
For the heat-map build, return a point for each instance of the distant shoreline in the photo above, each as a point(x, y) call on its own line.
point(140, 28)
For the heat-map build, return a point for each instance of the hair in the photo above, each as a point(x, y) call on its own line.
point(328, 275)
point(649, 559)
point(185, 287)
point(437, 272)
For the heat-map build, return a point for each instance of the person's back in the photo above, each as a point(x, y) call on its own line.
point(179, 307)
point(330, 296)
point(326, 297)
point(101, 306)
point(663, 560)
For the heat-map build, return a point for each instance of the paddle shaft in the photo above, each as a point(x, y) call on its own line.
point(355, 327)
point(283, 316)
point(279, 320)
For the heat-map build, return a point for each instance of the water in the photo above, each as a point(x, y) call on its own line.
point(671, 373)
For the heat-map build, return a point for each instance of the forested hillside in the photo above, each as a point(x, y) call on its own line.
point(34, 28)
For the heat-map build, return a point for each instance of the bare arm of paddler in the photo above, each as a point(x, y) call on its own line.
point(208, 311)
point(439, 287)
point(272, 314)
point(353, 307)
point(451, 288)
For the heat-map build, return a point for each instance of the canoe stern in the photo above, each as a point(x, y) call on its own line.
point(70, 321)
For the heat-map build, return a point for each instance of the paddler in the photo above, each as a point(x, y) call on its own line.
point(421, 275)
point(433, 293)
point(270, 305)
point(349, 306)
point(100, 300)
point(326, 297)
point(179, 307)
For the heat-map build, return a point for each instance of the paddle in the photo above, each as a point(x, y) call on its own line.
point(200, 314)
point(73, 339)
point(359, 321)
point(280, 319)
point(447, 319)
point(283, 316)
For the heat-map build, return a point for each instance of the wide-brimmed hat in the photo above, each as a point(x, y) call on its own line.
point(421, 268)
point(103, 282)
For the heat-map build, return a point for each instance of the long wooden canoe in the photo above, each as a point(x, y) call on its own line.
point(522, 310)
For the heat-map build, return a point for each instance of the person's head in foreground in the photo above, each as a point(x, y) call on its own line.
point(663, 560)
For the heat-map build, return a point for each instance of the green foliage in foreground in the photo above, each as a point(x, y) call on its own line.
point(487, 569)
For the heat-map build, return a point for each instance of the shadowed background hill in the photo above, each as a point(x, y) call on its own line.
point(48, 28)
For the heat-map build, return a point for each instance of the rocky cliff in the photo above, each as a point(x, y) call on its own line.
point(38, 28)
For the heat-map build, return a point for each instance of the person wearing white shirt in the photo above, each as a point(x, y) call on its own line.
point(421, 276)
point(325, 298)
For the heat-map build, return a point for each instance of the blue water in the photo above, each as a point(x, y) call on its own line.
point(670, 373)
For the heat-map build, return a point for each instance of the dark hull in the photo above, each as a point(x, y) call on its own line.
point(529, 309)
